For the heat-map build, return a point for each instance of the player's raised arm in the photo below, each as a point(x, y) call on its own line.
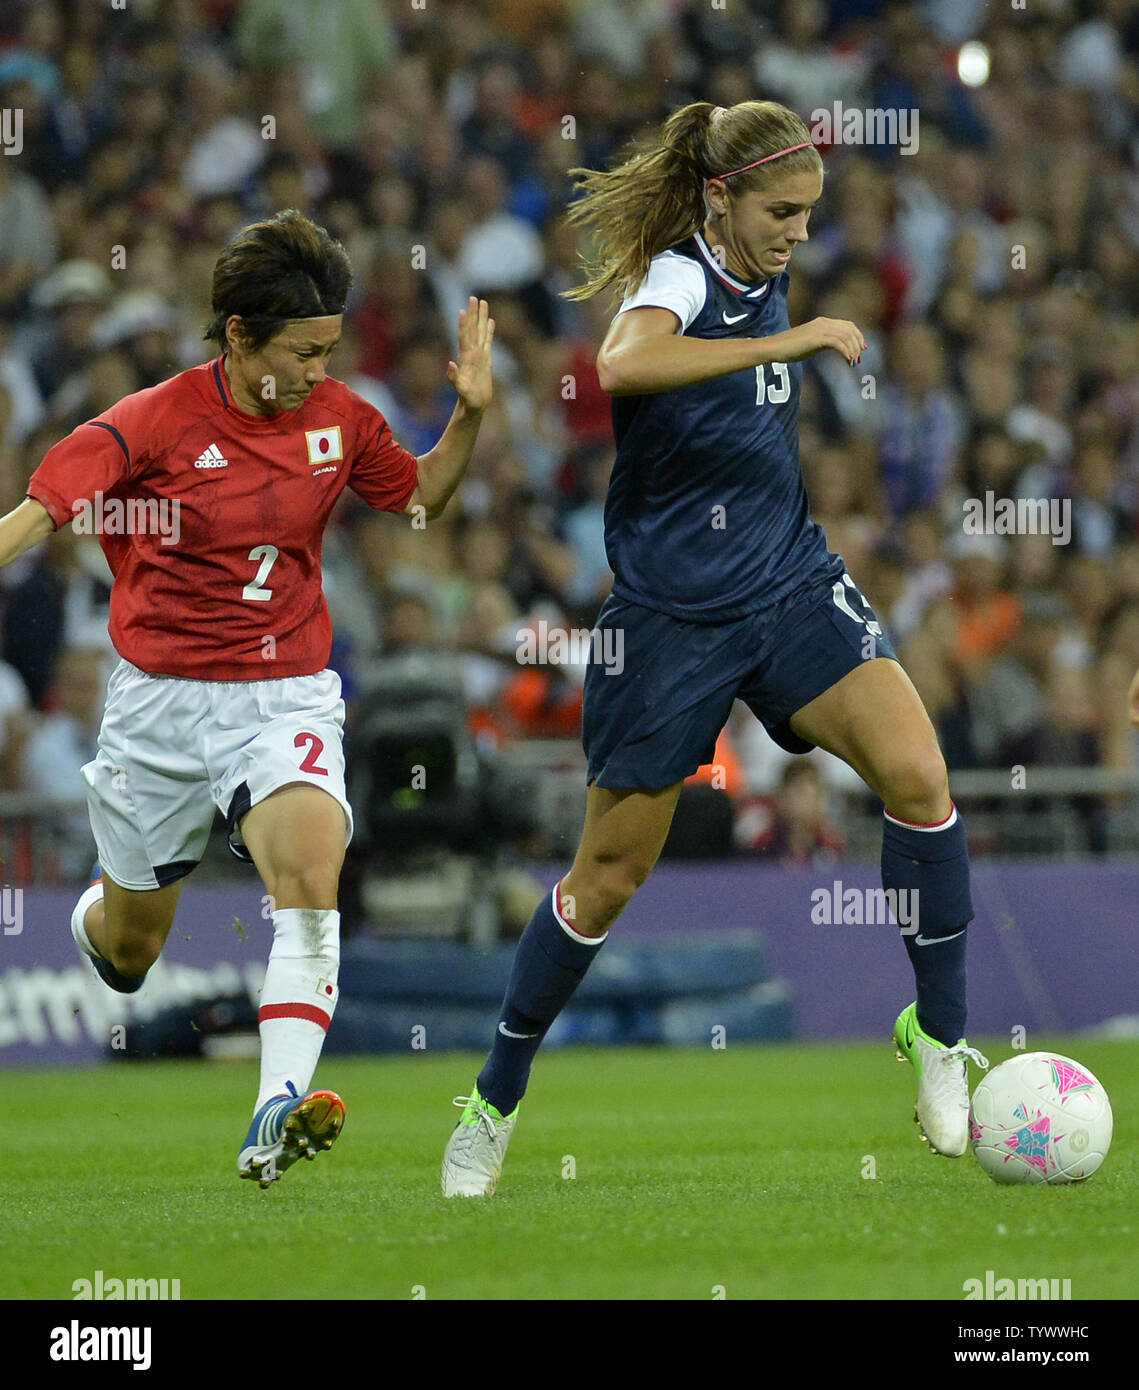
point(22, 528)
point(642, 352)
point(442, 468)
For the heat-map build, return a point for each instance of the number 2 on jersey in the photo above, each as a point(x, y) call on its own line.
point(255, 589)
point(779, 390)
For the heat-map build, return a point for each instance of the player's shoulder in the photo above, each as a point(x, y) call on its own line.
point(679, 262)
point(336, 397)
point(673, 280)
point(693, 268)
point(172, 404)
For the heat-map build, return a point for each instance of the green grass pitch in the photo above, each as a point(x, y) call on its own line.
point(696, 1174)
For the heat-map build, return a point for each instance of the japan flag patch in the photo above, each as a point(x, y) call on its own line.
point(324, 446)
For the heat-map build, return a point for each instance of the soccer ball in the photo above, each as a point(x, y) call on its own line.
point(1040, 1117)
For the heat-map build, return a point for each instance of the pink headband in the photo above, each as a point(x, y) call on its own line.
point(743, 168)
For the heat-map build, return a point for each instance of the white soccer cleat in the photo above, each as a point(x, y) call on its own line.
point(942, 1109)
point(472, 1160)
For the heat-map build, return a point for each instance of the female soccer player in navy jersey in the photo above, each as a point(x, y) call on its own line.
point(222, 697)
point(724, 589)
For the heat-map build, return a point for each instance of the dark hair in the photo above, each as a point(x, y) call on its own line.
point(275, 271)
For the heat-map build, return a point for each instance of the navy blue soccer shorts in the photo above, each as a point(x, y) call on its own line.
point(659, 689)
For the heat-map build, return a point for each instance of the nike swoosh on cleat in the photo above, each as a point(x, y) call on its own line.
point(920, 940)
point(506, 1033)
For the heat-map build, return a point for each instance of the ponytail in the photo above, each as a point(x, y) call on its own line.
point(656, 197)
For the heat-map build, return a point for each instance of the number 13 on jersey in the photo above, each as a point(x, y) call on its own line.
point(777, 391)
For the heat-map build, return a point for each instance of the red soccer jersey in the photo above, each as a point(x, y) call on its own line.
point(211, 519)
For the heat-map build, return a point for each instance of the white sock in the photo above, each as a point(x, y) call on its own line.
point(87, 899)
point(298, 997)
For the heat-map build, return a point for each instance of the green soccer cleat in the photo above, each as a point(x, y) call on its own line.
point(942, 1109)
point(472, 1160)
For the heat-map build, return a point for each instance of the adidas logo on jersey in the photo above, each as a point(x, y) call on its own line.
point(211, 457)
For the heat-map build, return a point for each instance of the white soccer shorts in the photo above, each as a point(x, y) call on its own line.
point(171, 750)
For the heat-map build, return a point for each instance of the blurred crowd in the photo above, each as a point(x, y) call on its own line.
point(994, 274)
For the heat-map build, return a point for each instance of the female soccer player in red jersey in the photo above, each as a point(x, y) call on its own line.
point(724, 589)
point(221, 482)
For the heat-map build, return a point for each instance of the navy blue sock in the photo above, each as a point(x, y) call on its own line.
point(549, 964)
point(933, 863)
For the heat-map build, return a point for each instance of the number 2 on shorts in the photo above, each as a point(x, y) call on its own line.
point(316, 748)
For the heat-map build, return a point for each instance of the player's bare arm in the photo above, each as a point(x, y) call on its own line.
point(22, 528)
point(642, 352)
point(441, 469)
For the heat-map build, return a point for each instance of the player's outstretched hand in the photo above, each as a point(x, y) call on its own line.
point(471, 375)
point(840, 334)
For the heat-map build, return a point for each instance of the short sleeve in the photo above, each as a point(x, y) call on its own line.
point(93, 458)
point(673, 282)
point(384, 473)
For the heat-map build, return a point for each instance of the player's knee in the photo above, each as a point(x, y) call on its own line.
point(612, 886)
point(307, 885)
point(917, 788)
point(609, 902)
point(137, 954)
point(134, 928)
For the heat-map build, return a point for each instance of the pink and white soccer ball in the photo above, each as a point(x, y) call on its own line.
point(1040, 1117)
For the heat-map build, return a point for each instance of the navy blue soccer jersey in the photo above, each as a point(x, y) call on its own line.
point(706, 516)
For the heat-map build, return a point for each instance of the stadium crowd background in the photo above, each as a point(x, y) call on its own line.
point(435, 142)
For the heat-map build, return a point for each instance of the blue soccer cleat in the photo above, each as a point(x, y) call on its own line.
point(288, 1128)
